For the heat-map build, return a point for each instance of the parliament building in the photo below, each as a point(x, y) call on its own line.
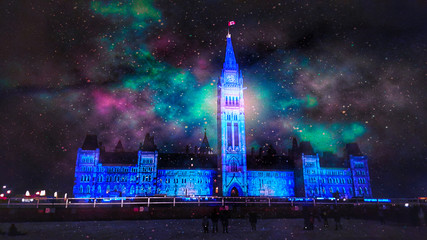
point(229, 172)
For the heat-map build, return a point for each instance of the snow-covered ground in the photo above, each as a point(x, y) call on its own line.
point(192, 229)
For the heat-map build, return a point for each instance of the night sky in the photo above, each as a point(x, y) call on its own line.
point(331, 73)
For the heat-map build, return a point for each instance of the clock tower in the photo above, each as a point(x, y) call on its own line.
point(231, 128)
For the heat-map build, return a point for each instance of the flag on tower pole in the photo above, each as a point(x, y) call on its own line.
point(230, 23)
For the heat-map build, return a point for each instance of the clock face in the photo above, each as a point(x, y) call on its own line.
point(231, 78)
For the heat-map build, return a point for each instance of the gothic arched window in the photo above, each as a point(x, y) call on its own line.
point(233, 166)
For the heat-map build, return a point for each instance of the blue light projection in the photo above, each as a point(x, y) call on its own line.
point(271, 183)
point(231, 127)
point(185, 182)
point(325, 182)
point(127, 174)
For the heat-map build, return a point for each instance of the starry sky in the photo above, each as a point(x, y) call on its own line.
point(329, 72)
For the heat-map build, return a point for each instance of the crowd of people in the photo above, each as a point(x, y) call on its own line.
point(322, 215)
point(221, 215)
point(311, 213)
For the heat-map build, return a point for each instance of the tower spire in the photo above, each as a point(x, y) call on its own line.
point(230, 60)
point(204, 147)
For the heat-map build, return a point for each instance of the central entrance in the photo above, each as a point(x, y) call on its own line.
point(234, 192)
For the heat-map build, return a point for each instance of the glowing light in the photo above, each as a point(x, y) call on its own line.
point(27, 193)
point(43, 193)
point(271, 183)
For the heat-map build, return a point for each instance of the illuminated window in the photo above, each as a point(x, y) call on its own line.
point(233, 166)
point(236, 134)
point(229, 135)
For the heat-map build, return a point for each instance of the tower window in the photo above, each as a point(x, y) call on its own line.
point(236, 134)
point(233, 166)
point(229, 135)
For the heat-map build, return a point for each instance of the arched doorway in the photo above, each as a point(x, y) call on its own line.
point(234, 192)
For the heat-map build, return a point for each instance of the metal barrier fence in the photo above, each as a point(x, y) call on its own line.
point(197, 201)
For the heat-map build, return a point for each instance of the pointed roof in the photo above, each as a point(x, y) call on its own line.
point(148, 143)
point(230, 60)
point(119, 147)
point(91, 142)
point(353, 149)
point(306, 148)
point(205, 144)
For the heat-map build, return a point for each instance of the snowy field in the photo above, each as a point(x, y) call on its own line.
point(191, 229)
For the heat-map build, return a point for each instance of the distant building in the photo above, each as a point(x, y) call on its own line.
point(200, 172)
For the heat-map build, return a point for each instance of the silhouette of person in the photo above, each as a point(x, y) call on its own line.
point(421, 217)
point(324, 216)
point(215, 218)
point(381, 215)
point(306, 215)
point(224, 221)
point(337, 218)
point(253, 218)
point(205, 224)
point(13, 231)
